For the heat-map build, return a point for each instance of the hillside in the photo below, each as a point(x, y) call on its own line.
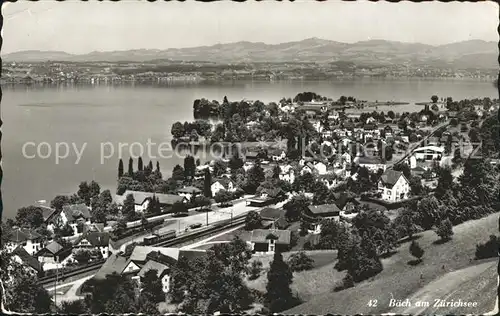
point(461, 55)
point(400, 280)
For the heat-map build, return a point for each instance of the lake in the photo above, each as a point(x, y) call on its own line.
point(111, 115)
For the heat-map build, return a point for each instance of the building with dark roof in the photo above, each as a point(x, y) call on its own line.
point(394, 186)
point(98, 241)
point(270, 240)
point(53, 255)
point(22, 256)
point(142, 199)
point(74, 213)
point(372, 163)
point(145, 258)
point(30, 240)
point(189, 192)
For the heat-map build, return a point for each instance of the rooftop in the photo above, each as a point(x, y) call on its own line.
point(390, 177)
point(262, 235)
point(324, 209)
point(140, 197)
point(74, 211)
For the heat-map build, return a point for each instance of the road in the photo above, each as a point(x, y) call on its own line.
point(70, 295)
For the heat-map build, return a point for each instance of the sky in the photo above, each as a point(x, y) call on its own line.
point(83, 27)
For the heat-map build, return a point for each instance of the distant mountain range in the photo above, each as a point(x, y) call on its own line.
point(467, 54)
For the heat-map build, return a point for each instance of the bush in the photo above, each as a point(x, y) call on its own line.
point(445, 230)
point(489, 249)
point(300, 262)
point(416, 250)
point(82, 256)
point(253, 220)
point(348, 281)
point(255, 269)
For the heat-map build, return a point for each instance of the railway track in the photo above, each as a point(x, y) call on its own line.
point(177, 241)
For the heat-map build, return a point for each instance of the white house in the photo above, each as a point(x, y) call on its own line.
point(307, 168)
point(141, 199)
point(266, 241)
point(223, 184)
point(93, 241)
point(73, 214)
point(30, 241)
point(320, 168)
point(428, 153)
point(372, 163)
point(394, 186)
point(278, 155)
point(189, 192)
point(53, 256)
point(145, 258)
point(346, 158)
point(287, 173)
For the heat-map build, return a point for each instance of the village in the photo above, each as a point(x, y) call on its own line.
point(297, 174)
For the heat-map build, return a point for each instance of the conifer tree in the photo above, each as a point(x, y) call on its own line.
point(208, 184)
point(279, 278)
point(130, 167)
point(140, 166)
point(120, 168)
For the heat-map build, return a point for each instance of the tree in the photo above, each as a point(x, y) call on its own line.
point(255, 270)
point(391, 114)
point(178, 173)
point(120, 168)
point(222, 197)
point(429, 212)
point(30, 216)
point(295, 207)
point(207, 184)
point(445, 181)
point(178, 130)
point(154, 206)
point(59, 201)
point(152, 288)
point(140, 166)
point(128, 208)
point(278, 295)
point(73, 307)
point(94, 190)
point(158, 167)
point(434, 98)
point(405, 223)
point(179, 208)
point(202, 202)
point(253, 220)
point(120, 226)
point(24, 294)
point(82, 256)
point(445, 230)
point(189, 167)
point(130, 167)
point(255, 176)
point(84, 192)
point(300, 262)
point(416, 250)
point(219, 168)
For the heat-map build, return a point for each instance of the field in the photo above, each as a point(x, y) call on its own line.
point(399, 280)
point(305, 283)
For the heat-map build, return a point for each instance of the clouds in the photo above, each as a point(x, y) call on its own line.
point(81, 27)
